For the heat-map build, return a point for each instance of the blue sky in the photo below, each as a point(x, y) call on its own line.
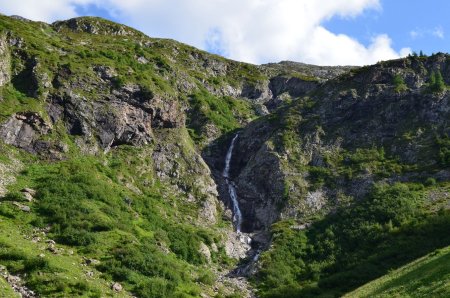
point(409, 23)
point(324, 32)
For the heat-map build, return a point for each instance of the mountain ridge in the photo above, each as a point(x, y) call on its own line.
point(113, 148)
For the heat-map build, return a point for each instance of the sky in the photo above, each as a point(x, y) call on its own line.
point(322, 32)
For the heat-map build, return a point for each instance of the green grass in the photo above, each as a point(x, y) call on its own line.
point(225, 113)
point(6, 290)
point(83, 200)
point(52, 275)
point(352, 246)
point(14, 101)
point(426, 277)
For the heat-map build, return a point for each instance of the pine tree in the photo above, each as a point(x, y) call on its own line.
point(437, 83)
point(432, 79)
point(440, 84)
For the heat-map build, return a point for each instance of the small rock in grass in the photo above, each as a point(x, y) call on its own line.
point(116, 287)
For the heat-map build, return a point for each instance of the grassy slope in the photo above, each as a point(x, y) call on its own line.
point(150, 245)
point(6, 290)
point(61, 273)
point(426, 277)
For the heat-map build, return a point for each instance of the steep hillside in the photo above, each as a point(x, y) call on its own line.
point(119, 175)
point(425, 277)
point(102, 129)
point(355, 177)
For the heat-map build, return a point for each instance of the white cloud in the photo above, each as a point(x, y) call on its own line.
point(438, 32)
point(256, 31)
point(421, 33)
point(42, 10)
point(415, 34)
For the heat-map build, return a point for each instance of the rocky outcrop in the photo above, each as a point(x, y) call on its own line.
point(310, 71)
point(259, 93)
point(94, 25)
point(260, 189)
point(177, 163)
point(16, 283)
point(127, 116)
point(274, 156)
point(294, 86)
point(24, 129)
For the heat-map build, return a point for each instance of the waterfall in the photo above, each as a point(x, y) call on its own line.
point(237, 215)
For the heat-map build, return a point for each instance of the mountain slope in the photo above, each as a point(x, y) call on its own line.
point(101, 130)
point(112, 159)
point(358, 178)
point(428, 276)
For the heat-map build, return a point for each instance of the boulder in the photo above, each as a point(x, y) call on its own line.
point(204, 251)
point(116, 287)
point(28, 194)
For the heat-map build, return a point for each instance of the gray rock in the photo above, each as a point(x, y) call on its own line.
point(23, 130)
point(28, 194)
point(105, 72)
point(22, 207)
point(204, 251)
point(237, 245)
point(92, 262)
point(142, 60)
point(116, 287)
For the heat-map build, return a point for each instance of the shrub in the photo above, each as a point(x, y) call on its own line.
point(35, 264)
point(207, 278)
point(351, 246)
point(444, 150)
point(399, 84)
point(430, 181)
point(436, 82)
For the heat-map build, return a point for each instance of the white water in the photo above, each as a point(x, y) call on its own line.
point(237, 215)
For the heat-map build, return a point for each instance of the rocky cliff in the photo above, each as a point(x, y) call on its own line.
point(289, 162)
point(113, 147)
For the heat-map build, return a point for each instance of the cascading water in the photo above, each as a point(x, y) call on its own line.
point(247, 268)
point(237, 215)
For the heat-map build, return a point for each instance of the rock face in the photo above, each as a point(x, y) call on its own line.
point(274, 159)
point(23, 130)
point(294, 86)
point(127, 116)
point(94, 25)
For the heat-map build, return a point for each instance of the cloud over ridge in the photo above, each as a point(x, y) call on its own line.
point(256, 31)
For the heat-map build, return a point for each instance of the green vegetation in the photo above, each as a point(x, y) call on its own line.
point(138, 239)
point(436, 82)
point(399, 84)
point(444, 150)
point(352, 246)
point(425, 277)
point(50, 275)
point(136, 214)
point(225, 113)
point(6, 290)
point(14, 101)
